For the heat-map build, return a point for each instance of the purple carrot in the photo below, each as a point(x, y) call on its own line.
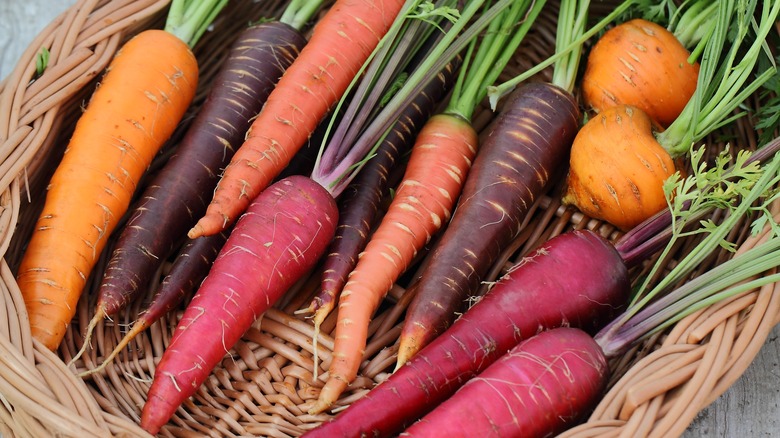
point(359, 203)
point(525, 148)
point(179, 193)
point(538, 389)
point(190, 267)
point(280, 238)
point(531, 297)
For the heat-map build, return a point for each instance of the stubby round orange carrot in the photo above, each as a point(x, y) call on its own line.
point(142, 97)
point(440, 160)
point(617, 168)
point(340, 43)
point(642, 64)
point(621, 181)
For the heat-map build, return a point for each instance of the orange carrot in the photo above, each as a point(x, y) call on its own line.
point(145, 92)
point(115, 140)
point(341, 43)
point(617, 173)
point(643, 64)
point(622, 180)
point(440, 160)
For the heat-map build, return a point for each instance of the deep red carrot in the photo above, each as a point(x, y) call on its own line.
point(177, 196)
point(537, 389)
point(521, 154)
point(532, 296)
point(280, 237)
point(340, 44)
point(359, 204)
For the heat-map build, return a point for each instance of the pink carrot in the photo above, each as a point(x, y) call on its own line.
point(284, 232)
point(531, 297)
point(539, 388)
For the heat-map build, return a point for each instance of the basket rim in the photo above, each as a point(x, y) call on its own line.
point(56, 394)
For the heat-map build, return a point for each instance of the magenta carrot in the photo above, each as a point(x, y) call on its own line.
point(177, 196)
point(532, 296)
point(538, 389)
point(280, 237)
point(523, 151)
point(340, 44)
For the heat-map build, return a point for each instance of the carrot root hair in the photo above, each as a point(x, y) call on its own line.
point(100, 315)
point(137, 328)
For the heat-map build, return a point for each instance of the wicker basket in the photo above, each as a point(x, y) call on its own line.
point(263, 388)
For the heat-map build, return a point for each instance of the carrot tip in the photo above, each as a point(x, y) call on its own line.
point(407, 348)
point(100, 315)
point(319, 407)
point(329, 394)
point(195, 232)
point(321, 313)
point(137, 328)
point(305, 310)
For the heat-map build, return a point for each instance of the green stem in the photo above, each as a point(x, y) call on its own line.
point(713, 240)
point(725, 281)
point(770, 176)
point(695, 24)
point(299, 12)
point(572, 20)
point(458, 37)
point(724, 75)
point(496, 92)
point(493, 52)
point(189, 19)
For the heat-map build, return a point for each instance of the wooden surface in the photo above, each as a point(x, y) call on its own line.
point(748, 409)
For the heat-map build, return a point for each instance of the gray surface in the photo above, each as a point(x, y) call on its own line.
point(748, 409)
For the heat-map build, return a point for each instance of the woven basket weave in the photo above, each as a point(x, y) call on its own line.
point(264, 387)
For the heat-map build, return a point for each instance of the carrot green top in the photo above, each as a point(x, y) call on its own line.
point(189, 19)
point(298, 12)
point(732, 50)
point(490, 32)
point(491, 54)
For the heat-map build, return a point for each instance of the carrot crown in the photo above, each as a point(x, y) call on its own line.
point(298, 12)
point(189, 19)
point(336, 166)
point(491, 53)
point(340, 160)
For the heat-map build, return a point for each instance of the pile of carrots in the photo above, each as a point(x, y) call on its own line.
point(252, 223)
